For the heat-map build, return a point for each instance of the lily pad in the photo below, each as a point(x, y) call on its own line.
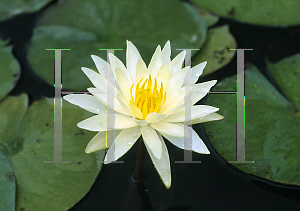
point(12, 8)
point(272, 127)
point(210, 18)
point(108, 24)
point(216, 49)
point(7, 185)
point(10, 69)
point(267, 12)
point(12, 110)
point(53, 186)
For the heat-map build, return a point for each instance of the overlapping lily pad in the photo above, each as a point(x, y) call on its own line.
point(40, 185)
point(216, 49)
point(272, 124)
point(86, 26)
point(10, 69)
point(12, 8)
point(7, 185)
point(209, 18)
point(267, 12)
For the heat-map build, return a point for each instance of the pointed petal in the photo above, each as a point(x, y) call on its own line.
point(166, 53)
point(163, 76)
point(156, 62)
point(142, 71)
point(175, 99)
point(102, 66)
point(197, 143)
point(123, 142)
point(162, 165)
point(87, 102)
point(123, 83)
point(200, 90)
point(124, 104)
point(176, 63)
point(102, 97)
point(115, 63)
point(132, 56)
point(208, 118)
point(140, 122)
point(136, 110)
point(99, 142)
point(155, 117)
point(152, 141)
point(170, 129)
point(176, 80)
point(98, 81)
point(195, 73)
point(93, 123)
point(196, 112)
point(121, 122)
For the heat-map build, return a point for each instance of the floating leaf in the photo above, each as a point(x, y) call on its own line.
point(267, 12)
point(7, 185)
point(215, 49)
point(53, 186)
point(108, 24)
point(12, 8)
point(209, 18)
point(12, 110)
point(10, 70)
point(272, 128)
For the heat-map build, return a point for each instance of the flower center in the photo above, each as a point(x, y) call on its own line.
point(148, 100)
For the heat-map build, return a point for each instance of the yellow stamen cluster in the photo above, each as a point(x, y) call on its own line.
point(148, 100)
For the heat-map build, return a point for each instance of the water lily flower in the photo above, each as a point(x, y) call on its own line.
point(148, 102)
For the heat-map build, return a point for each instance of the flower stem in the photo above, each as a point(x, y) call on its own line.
point(138, 171)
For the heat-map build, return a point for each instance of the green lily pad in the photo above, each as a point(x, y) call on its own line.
point(53, 186)
point(210, 18)
point(272, 128)
point(287, 74)
point(267, 12)
point(10, 69)
point(12, 8)
point(7, 185)
point(12, 110)
point(108, 24)
point(215, 49)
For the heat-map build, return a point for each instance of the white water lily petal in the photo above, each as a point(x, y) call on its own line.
point(176, 64)
point(117, 63)
point(102, 97)
point(197, 111)
point(140, 122)
point(197, 143)
point(102, 66)
point(142, 72)
point(123, 83)
point(136, 110)
point(124, 104)
point(87, 102)
point(121, 122)
point(166, 53)
point(97, 80)
point(208, 118)
point(176, 81)
point(156, 62)
point(132, 56)
point(175, 99)
point(163, 76)
point(152, 141)
point(123, 142)
point(171, 129)
point(155, 117)
point(194, 74)
point(99, 142)
point(201, 89)
point(93, 123)
point(162, 165)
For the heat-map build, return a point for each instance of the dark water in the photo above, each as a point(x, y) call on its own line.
point(211, 185)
